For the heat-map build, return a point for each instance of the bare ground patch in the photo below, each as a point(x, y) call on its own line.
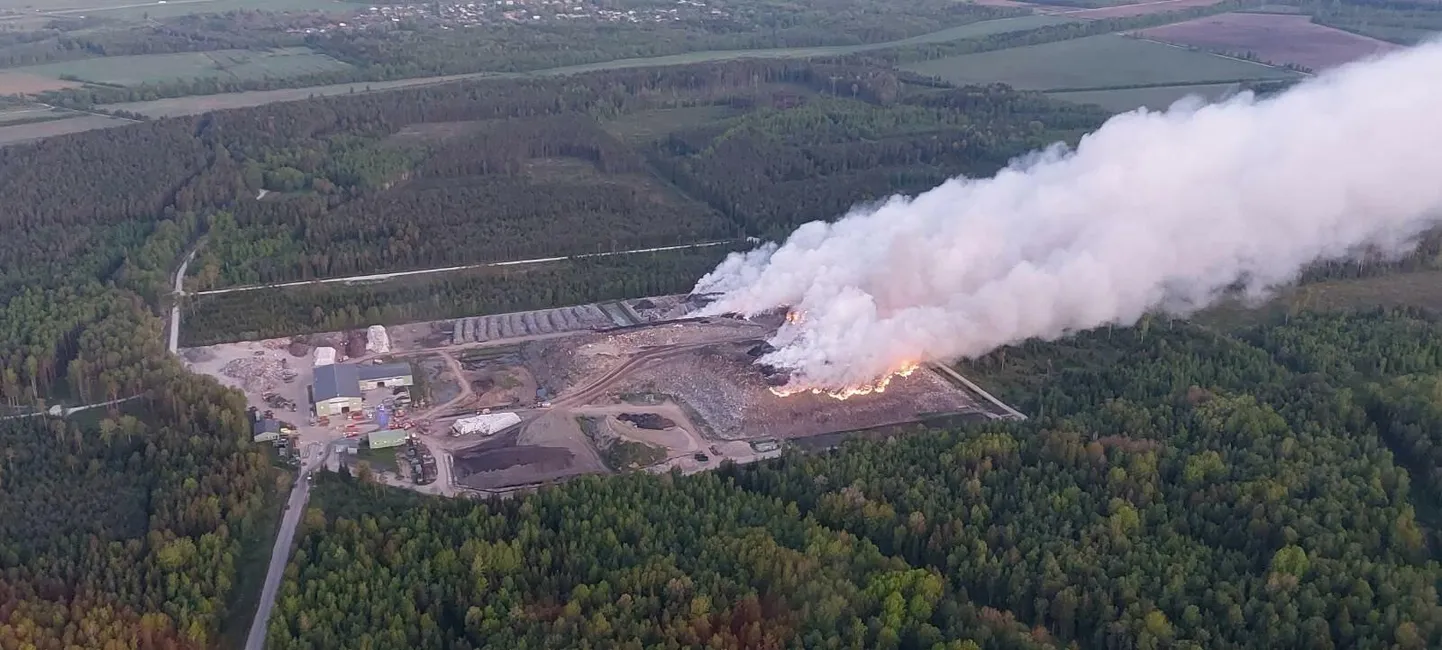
point(25, 132)
point(1273, 38)
point(23, 83)
point(730, 395)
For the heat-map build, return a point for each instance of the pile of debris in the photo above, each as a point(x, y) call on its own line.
point(377, 341)
point(257, 373)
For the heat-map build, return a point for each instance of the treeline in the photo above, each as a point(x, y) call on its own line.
point(125, 533)
point(1405, 22)
point(1175, 488)
point(265, 313)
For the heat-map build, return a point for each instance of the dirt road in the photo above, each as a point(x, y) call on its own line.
point(175, 305)
point(280, 554)
point(451, 269)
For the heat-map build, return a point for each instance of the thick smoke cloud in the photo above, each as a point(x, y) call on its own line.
point(1155, 210)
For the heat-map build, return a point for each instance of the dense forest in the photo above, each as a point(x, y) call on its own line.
point(125, 533)
point(1177, 488)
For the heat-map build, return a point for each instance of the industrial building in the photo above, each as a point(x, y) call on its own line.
point(267, 430)
point(337, 388)
point(387, 438)
point(385, 375)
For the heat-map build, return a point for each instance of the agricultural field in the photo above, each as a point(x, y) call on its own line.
point(1134, 9)
point(1273, 38)
point(1156, 98)
point(1097, 62)
point(30, 113)
point(237, 64)
point(16, 133)
point(13, 82)
point(178, 106)
point(26, 12)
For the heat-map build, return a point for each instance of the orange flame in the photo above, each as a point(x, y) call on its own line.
point(795, 317)
point(877, 386)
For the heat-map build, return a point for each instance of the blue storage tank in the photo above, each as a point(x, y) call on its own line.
point(383, 416)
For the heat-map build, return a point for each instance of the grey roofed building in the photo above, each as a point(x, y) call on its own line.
point(335, 380)
point(371, 372)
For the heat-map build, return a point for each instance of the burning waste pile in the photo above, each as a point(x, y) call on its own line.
point(1160, 211)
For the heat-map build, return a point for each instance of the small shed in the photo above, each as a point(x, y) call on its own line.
point(267, 430)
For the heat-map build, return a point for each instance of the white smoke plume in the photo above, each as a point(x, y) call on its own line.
point(1155, 210)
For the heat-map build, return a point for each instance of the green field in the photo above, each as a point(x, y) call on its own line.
point(139, 9)
point(1097, 62)
point(234, 64)
point(1155, 98)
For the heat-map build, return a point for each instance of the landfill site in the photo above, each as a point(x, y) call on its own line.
point(492, 404)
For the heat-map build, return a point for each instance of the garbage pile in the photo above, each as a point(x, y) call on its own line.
point(256, 373)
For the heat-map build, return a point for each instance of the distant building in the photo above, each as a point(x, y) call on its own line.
point(336, 390)
point(764, 446)
point(387, 438)
point(386, 375)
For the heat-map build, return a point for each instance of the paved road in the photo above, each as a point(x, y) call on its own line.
point(449, 269)
point(280, 554)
